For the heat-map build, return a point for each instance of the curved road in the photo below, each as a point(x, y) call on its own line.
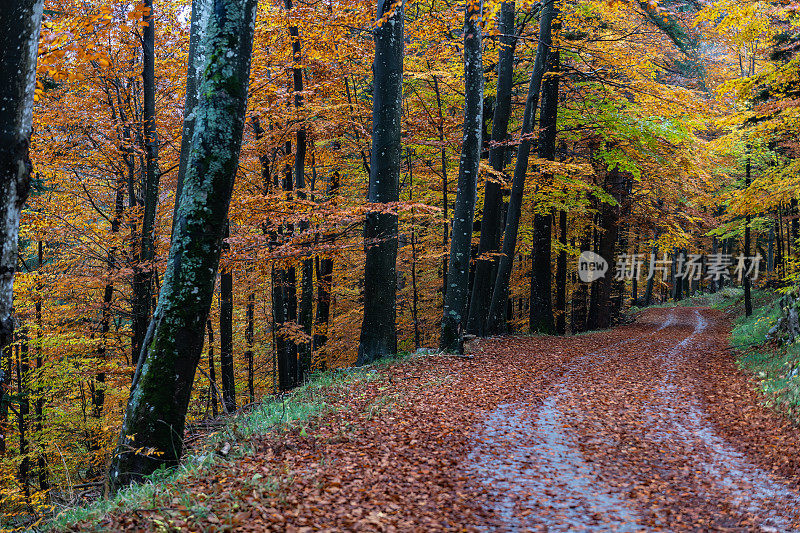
point(621, 441)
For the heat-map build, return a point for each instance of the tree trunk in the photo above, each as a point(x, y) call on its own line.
point(144, 272)
point(748, 303)
point(600, 312)
point(324, 289)
point(226, 331)
point(212, 370)
point(541, 308)
point(156, 413)
point(496, 316)
point(20, 23)
point(199, 9)
point(306, 316)
point(445, 185)
point(455, 299)
point(561, 276)
point(491, 223)
point(379, 330)
point(249, 337)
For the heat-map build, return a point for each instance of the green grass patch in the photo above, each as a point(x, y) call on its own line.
point(167, 488)
point(775, 366)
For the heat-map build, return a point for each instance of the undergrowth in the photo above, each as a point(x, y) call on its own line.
point(168, 487)
point(774, 365)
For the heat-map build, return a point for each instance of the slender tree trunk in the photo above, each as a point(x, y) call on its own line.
point(561, 276)
point(748, 303)
point(306, 316)
point(44, 482)
point(379, 330)
point(455, 299)
point(580, 296)
point(249, 337)
point(144, 273)
point(541, 308)
point(226, 331)
point(324, 290)
point(496, 316)
point(23, 391)
point(445, 185)
point(771, 247)
point(156, 413)
point(491, 223)
point(212, 371)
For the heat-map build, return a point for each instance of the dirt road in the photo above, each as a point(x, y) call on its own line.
point(623, 441)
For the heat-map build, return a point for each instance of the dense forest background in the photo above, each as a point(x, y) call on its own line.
point(664, 129)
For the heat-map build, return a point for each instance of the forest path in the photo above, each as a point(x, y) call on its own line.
point(623, 441)
point(645, 427)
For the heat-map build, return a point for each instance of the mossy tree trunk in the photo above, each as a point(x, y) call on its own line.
point(379, 330)
point(454, 317)
point(153, 426)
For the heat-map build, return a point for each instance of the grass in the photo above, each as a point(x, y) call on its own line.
point(165, 488)
point(775, 366)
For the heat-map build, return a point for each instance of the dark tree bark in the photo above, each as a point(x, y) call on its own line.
point(324, 288)
point(580, 296)
point(143, 276)
point(249, 337)
point(212, 370)
point(748, 302)
point(445, 185)
point(561, 276)
point(306, 317)
point(156, 413)
point(379, 330)
point(20, 23)
point(600, 311)
point(226, 332)
point(491, 223)
point(648, 290)
point(496, 317)
point(41, 466)
point(455, 299)
point(771, 247)
point(540, 318)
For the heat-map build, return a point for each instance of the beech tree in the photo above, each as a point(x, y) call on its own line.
point(379, 330)
point(492, 223)
point(20, 23)
point(454, 316)
point(152, 430)
point(497, 308)
point(541, 311)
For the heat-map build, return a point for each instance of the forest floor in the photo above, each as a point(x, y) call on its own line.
point(646, 427)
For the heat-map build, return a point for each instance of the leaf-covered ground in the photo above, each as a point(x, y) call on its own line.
point(647, 427)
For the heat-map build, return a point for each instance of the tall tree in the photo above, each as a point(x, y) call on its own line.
point(226, 331)
point(492, 223)
point(153, 427)
point(540, 317)
point(143, 278)
point(497, 307)
point(455, 299)
point(379, 330)
point(20, 23)
point(748, 302)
